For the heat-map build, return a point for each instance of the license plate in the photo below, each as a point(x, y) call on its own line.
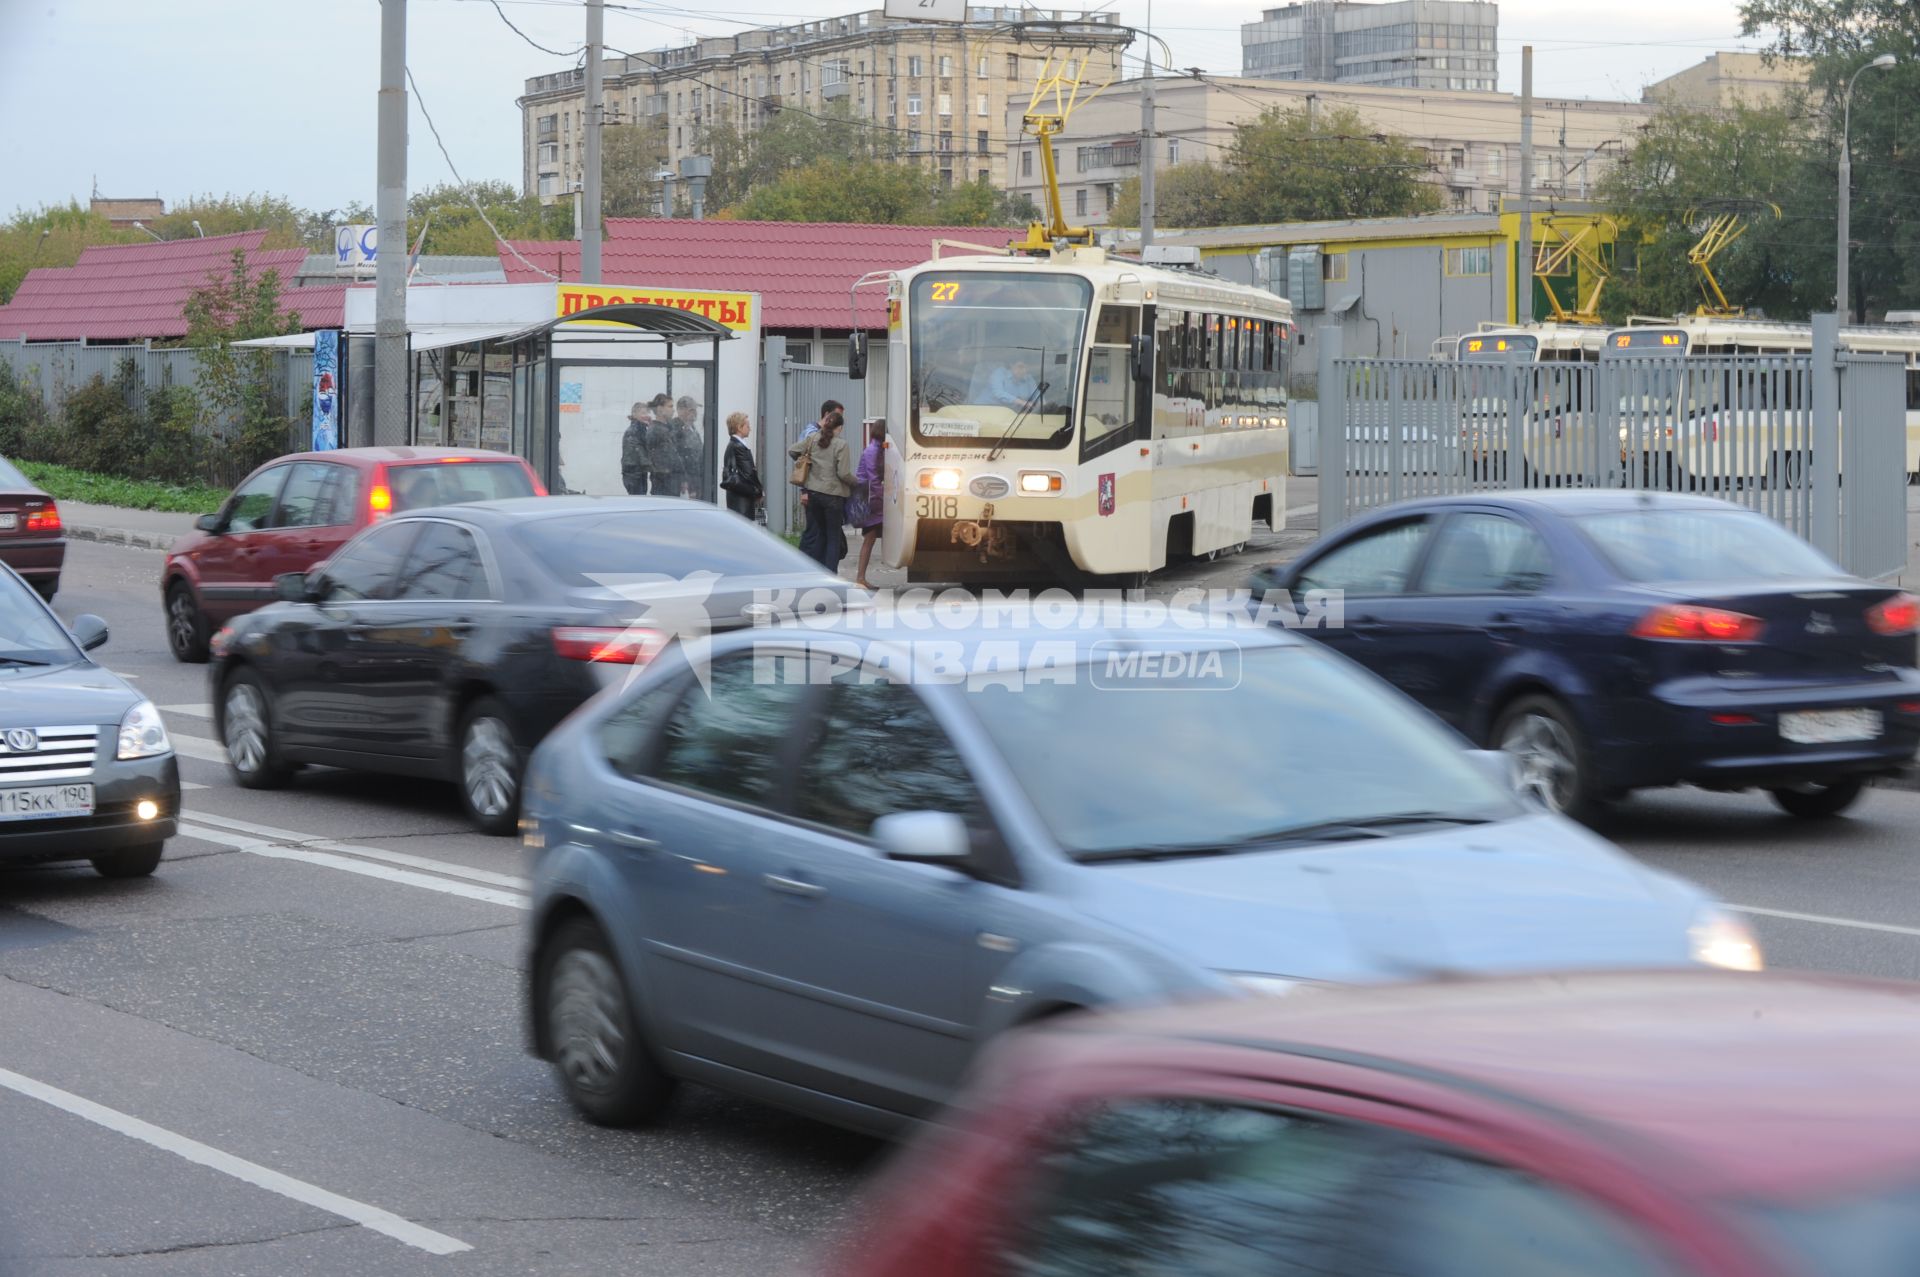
point(46, 802)
point(8, 522)
point(1829, 726)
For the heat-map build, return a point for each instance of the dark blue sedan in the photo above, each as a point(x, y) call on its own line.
point(1615, 641)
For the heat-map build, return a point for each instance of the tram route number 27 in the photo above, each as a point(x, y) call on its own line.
point(926, 506)
point(944, 292)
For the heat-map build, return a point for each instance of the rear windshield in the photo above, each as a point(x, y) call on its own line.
point(578, 549)
point(1701, 545)
point(419, 484)
point(12, 479)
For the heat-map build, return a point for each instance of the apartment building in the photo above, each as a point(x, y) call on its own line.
point(939, 94)
point(1414, 44)
point(1472, 140)
point(1722, 80)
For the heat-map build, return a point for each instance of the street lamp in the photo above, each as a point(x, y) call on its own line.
point(142, 228)
point(1846, 181)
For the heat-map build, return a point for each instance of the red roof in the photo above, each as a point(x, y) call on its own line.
point(802, 270)
point(127, 292)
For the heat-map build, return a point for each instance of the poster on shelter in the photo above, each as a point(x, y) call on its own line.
point(326, 390)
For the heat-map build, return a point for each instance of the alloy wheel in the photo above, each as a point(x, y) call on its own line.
point(182, 624)
point(587, 1021)
point(1545, 753)
point(246, 727)
point(486, 766)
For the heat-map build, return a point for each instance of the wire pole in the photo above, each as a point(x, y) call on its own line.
point(390, 265)
point(1523, 290)
point(590, 185)
point(1146, 158)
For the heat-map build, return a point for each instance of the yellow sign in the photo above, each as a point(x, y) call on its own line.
point(733, 310)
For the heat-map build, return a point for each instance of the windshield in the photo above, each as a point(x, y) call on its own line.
point(1701, 545)
point(422, 484)
point(28, 633)
point(996, 357)
point(12, 480)
point(676, 543)
point(1286, 738)
point(1869, 1234)
point(1501, 347)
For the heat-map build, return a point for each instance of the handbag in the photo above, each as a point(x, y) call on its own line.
point(802, 468)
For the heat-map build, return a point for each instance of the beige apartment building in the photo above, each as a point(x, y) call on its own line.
point(940, 94)
point(1724, 80)
point(1472, 139)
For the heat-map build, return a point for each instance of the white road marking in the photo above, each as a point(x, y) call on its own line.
point(193, 784)
point(327, 860)
point(293, 837)
point(200, 747)
point(1824, 920)
point(380, 1221)
point(197, 711)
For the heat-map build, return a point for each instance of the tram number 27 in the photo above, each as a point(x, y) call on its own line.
point(932, 507)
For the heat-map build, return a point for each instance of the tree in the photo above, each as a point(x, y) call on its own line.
point(286, 226)
point(839, 190)
point(1288, 166)
point(631, 157)
point(744, 163)
point(1192, 194)
point(236, 385)
point(1840, 36)
point(1690, 164)
point(446, 212)
point(50, 236)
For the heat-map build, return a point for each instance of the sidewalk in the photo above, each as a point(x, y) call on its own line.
point(115, 525)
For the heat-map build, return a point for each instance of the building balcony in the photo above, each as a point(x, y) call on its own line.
point(832, 91)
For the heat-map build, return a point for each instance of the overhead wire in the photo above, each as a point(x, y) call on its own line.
point(420, 99)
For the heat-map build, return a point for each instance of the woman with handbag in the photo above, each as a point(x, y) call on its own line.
point(869, 498)
point(823, 469)
point(739, 477)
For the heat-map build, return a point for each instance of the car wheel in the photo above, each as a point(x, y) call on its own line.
point(246, 727)
point(1817, 802)
point(134, 862)
point(47, 589)
point(1540, 734)
point(490, 767)
point(603, 1065)
point(186, 626)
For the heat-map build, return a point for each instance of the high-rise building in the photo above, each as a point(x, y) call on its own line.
point(1413, 44)
point(938, 94)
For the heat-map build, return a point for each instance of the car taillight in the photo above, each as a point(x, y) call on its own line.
point(610, 645)
point(1897, 615)
point(1704, 624)
point(379, 503)
point(221, 641)
point(45, 519)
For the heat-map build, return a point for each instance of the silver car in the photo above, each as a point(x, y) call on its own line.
point(827, 869)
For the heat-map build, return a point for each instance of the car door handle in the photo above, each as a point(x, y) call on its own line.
point(632, 841)
point(1367, 625)
point(1501, 623)
point(792, 886)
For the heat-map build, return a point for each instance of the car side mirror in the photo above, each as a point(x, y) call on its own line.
point(857, 356)
point(936, 837)
point(89, 631)
point(209, 523)
point(1503, 769)
point(1140, 357)
point(295, 587)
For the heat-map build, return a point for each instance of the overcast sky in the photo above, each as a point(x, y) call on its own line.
point(181, 97)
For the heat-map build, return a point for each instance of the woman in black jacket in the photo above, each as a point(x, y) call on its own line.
point(739, 477)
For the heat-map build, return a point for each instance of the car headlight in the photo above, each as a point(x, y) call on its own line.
point(1718, 939)
point(142, 734)
point(940, 480)
point(1272, 986)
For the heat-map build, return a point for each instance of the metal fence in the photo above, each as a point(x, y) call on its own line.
point(791, 397)
point(56, 369)
point(1751, 430)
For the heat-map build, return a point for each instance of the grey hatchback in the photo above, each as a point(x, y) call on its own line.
point(823, 873)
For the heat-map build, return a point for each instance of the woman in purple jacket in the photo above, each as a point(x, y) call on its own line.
point(868, 499)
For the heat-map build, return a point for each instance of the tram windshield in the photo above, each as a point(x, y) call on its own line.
point(996, 358)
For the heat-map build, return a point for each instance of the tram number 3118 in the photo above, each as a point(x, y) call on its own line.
point(934, 507)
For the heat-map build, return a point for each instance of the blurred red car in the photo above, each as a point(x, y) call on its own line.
point(1584, 1126)
point(291, 514)
point(32, 542)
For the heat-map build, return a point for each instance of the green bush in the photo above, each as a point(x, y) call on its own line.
point(21, 413)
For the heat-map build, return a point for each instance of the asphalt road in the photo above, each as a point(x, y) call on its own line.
point(297, 1049)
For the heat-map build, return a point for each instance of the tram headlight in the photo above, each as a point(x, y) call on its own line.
point(940, 480)
point(1035, 482)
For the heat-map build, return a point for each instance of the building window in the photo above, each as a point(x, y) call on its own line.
point(982, 73)
point(946, 104)
point(946, 177)
point(980, 105)
point(986, 175)
point(1013, 66)
point(548, 126)
point(1470, 261)
point(679, 137)
point(913, 104)
point(1333, 267)
point(549, 152)
point(893, 66)
point(1173, 150)
point(1497, 162)
point(914, 64)
point(548, 183)
point(946, 66)
point(1026, 163)
point(1080, 202)
point(946, 142)
point(980, 142)
point(1459, 158)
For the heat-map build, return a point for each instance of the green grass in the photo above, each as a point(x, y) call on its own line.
point(65, 484)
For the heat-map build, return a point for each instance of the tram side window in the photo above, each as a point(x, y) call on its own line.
point(1913, 390)
point(1109, 399)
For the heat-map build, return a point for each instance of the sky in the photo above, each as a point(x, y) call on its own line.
point(185, 97)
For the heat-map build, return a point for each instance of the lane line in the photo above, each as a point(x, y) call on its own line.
point(293, 837)
point(193, 784)
point(198, 710)
point(372, 1217)
point(326, 860)
point(1824, 920)
point(199, 747)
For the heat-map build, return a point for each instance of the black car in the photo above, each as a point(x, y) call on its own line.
point(86, 769)
point(445, 643)
point(1615, 641)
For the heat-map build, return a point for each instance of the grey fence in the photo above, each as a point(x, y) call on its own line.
point(1817, 445)
point(57, 369)
point(790, 397)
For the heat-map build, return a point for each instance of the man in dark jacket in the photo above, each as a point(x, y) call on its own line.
point(636, 461)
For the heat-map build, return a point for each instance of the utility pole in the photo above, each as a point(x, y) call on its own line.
point(1146, 143)
point(1523, 284)
point(1841, 266)
point(590, 183)
point(390, 265)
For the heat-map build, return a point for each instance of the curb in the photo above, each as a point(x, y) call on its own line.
point(122, 536)
point(1910, 781)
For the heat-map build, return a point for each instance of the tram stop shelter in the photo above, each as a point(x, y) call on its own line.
point(517, 368)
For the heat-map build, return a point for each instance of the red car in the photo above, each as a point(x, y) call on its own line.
point(32, 541)
point(291, 514)
point(1582, 1126)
